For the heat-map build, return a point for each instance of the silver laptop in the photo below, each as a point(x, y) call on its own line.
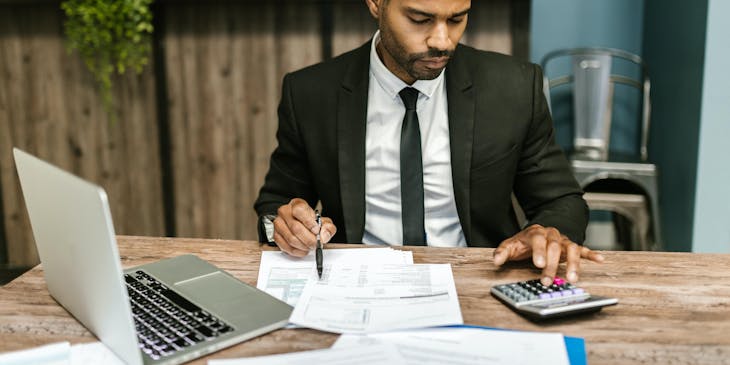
point(166, 312)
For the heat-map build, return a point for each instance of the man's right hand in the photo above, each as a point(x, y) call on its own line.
point(295, 228)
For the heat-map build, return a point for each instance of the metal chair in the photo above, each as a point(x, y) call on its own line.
point(593, 77)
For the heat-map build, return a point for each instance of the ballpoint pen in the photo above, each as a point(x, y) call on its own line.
point(318, 250)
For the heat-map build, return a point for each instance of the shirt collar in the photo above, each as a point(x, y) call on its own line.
point(390, 83)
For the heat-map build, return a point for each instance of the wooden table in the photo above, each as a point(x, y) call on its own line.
point(674, 308)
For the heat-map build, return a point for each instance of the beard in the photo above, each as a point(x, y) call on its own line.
point(407, 61)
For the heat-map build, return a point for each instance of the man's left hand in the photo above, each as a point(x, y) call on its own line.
point(548, 249)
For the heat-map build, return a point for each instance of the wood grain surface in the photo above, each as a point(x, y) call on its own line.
point(674, 308)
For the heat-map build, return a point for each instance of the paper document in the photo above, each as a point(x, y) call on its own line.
point(52, 354)
point(361, 355)
point(92, 354)
point(62, 353)
point(468, 346)
point(284, 276)
point(379, 297)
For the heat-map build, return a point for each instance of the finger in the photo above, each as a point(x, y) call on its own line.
point(303, 223)
point(538, 241)
point(302, 212)
point(589, 254)
point(503, 251)
point(552, 260)
point(281, 242)
point(284, 228)
point(328, 230)
point(573, 262)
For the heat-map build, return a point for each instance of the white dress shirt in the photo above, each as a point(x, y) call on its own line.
point(382, 159)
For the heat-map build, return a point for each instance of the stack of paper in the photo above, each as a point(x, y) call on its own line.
point(362, 290)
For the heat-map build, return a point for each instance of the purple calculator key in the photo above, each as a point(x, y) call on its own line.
point(567, 293)
point(556, 294)
point(577, 291)
point(545, 296)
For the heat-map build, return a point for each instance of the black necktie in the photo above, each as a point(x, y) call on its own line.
point(411, 172)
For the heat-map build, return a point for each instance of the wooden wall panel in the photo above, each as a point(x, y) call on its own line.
point(49, 107)
point(353, 26)
point(225, 63)
point(489, 26)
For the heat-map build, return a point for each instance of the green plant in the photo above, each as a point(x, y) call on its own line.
point(111, 36)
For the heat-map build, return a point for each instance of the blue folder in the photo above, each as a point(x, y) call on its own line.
point(575, 346)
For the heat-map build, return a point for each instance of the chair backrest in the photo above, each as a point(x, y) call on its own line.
point(593, 78)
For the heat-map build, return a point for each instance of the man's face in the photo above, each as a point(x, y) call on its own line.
point(417, 37)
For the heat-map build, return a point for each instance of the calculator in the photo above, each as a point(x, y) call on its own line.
point(536, 301)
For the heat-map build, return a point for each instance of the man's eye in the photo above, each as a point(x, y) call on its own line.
point(420, 21)
point(456, 20)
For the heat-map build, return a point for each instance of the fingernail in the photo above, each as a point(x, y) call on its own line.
point(547, 281)
point(600, 258)
point(572, 277)
point(540, 261)
point(325, 236)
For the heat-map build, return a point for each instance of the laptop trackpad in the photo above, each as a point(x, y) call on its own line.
point(224, 296)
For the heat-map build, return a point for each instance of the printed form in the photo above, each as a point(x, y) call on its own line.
point(368, 298)
point(284, 276)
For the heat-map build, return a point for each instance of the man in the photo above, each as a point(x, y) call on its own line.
point(416, 139)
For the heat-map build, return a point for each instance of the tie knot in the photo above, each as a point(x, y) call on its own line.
point(409, 96)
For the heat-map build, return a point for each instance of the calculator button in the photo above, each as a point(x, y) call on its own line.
point(577, 291)
point(545, 296)
point(558, 281)
point(567, 293)
point(556, 294)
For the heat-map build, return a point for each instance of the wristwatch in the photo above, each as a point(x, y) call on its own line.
point(266, 229)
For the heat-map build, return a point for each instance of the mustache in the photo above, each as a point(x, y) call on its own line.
point(433, 53)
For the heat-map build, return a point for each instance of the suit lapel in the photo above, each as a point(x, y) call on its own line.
point(460, 94)
point(352, 107)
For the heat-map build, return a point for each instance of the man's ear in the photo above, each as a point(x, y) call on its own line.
point(375, 7)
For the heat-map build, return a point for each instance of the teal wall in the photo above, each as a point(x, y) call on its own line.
point(712, 199)
point(674, 49)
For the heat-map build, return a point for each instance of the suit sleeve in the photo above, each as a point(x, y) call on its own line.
point(289, 173)
point(545, 185)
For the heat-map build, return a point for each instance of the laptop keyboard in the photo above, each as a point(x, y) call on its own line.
point(165, 321)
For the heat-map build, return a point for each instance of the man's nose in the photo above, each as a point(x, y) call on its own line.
point(439, 37)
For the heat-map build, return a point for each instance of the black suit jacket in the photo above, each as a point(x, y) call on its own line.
point(501, 138)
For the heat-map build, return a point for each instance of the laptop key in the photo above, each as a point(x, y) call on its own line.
point(194, 338)
point(207, 332)
point(180, 343)
point(180, 301)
